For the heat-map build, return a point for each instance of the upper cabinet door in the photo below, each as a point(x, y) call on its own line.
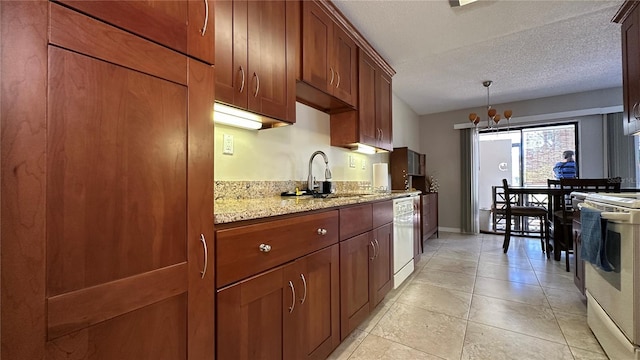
point(231, 54)
point(255, 57)
point(345, 59)
point(269, 73)
point(329, 55)
point(187, 27)
point(384, 113)
point(317, 38)
point(369, 131)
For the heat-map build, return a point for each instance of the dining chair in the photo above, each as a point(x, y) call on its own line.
point(563, 217)
point(519, 211)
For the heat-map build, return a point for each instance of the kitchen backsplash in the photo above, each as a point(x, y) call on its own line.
point(235, 190)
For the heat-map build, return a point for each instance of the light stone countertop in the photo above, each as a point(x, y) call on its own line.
point(230, 210)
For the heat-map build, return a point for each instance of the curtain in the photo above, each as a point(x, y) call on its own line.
point(469, 223)
point(621, 151)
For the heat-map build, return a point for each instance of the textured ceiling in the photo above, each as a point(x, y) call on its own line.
point(530, 49)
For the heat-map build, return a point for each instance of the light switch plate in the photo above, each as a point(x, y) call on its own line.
point(352, 161)
point(227, 144)
point(364, 164)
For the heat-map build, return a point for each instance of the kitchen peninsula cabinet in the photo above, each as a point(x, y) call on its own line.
point(106, 191)
point(629, 16)
point(329, 56)
point(184, 26)
point(366, 267)
point(255, 56)
point(371, 124)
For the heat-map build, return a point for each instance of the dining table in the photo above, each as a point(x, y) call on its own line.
point(553, 197)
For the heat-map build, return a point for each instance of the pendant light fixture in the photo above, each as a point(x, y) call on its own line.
point(493, 118)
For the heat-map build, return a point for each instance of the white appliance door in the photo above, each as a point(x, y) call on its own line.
point(495, 165)
point(402, 241)
point(614, 290)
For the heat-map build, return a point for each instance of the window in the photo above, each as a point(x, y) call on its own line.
point(534, 152)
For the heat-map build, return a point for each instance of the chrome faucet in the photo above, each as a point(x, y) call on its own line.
point(327, 173)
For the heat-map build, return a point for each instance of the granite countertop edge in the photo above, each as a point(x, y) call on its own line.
point(232, 210)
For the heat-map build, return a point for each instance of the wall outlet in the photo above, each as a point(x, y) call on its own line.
point(227, 144)
point(364, 164)
point(352, 161)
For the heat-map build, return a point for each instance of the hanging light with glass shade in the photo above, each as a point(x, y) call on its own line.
point(492, 114)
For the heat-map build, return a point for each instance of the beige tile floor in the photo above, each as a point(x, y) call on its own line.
point(469, 300)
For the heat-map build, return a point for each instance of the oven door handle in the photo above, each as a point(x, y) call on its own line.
point(616, 216)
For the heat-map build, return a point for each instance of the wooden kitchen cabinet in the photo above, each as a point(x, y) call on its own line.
point(291, 312)
point(184, 26)
point(429, 215)
point(355, 256)
point(279, 289)
point(109, 256)
point(328, 61)
point(371, 124)
point(381, 271)
point(629, 16)
point(407, 170)
point(366, 263)
point(255, 57)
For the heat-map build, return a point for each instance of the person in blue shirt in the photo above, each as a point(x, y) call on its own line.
point(566, 169)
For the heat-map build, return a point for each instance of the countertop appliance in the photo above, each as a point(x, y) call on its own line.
point(613, 297)
point(402, 240)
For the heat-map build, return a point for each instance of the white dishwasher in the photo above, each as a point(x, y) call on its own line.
point(402, 240)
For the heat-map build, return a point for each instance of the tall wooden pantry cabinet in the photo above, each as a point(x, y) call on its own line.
point(107, 180)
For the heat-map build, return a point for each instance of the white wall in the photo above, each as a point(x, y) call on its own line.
point(406, 125)
point(283, 153)
point(441, 142)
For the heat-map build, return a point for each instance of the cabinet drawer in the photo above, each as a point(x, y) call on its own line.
point(238, 253)
point(382, 213)
point(355, 220)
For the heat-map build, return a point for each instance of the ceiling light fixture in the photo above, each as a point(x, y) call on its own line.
point(458, 3)
point(491, 112)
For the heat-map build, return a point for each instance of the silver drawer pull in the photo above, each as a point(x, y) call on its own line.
point(322, 232)
point(206, 255)
point(293, 297)
point(304, 282)
point(265, 248)
point(206, 17)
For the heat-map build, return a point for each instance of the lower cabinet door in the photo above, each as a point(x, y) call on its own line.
point(381, 273)
point(252, 316)
point(317, 283)
point(291, 312)
point(355, 257)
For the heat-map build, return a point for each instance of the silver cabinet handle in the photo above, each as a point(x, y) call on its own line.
point(304, 282)
point(206, 17)
point(322, 232)
point(242, 82)
point(338, 82)
point(635, 111)
point(377, 246)
point(206, 255)
point(293, 297)
point(265, 248)
point(381, 134)
point(331, 81)
point(257, 84)
point(374, 250)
